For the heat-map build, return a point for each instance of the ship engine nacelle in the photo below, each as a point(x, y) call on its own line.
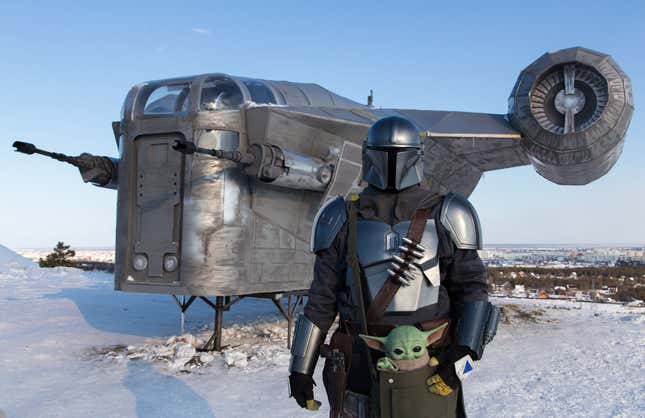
point(573, 108)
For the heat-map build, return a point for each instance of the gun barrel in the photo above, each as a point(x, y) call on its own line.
point(24, 147)
point(187, 147)
point(235, 156)
point(29, 149)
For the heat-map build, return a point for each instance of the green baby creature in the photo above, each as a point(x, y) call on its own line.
point(405, 347)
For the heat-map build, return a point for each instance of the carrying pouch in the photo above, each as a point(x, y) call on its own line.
point(406, 395)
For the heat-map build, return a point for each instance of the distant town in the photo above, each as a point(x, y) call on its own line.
point(584, 273)
point(559, 256)
point(609, 274)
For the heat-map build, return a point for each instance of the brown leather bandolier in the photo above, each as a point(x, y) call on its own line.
point(369, 322)
point(385, 295)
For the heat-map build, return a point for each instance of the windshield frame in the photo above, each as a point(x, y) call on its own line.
point(145, 90)
point(200, 82)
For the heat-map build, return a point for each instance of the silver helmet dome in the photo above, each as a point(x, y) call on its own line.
point(393, 154)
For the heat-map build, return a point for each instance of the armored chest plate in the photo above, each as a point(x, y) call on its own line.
point(378, 242)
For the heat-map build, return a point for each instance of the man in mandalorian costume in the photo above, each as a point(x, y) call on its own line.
point(394, 255)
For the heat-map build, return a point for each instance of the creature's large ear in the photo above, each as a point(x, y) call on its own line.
point(377, 343)
point(435, 334)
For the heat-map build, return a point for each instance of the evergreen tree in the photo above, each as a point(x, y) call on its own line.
point(61, 256)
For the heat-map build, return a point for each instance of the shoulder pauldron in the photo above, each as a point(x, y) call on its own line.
point(460, 219)
point(327, 223)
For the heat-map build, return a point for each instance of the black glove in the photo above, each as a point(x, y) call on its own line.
point(302, 389)
point(446, 368)
point(448, 375)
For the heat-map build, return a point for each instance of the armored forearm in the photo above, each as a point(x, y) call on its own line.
point(305, 348)
point(476, 325)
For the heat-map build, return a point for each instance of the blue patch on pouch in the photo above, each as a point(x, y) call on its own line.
point(467, 367)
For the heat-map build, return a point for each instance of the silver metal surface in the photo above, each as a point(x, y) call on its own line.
point(307, 339)
point(555, 94)
point(140, 262)
point(409, 169)
point(428, 262)
point(413, 245)
point(346, 177)
point(375, 167)
point(573, 102)
point(460, 219)
point(218, 139)
point(372, 242)
point(569, 78)
point(327, 223)
point(393, 132)
point(415, 294)
point(303, 172)
point(569, 101)
point(393, 143)
point(563, 146)
point(157, 202)
point(376, 253)
point(170, 263)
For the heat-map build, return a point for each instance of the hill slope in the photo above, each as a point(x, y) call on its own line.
point(73, 347)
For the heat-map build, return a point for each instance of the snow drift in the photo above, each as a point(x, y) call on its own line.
point(9, 259)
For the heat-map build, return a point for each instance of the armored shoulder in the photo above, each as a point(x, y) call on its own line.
point(328, 221)
point(460, 219)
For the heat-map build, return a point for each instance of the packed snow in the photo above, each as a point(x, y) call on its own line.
point(73, 347)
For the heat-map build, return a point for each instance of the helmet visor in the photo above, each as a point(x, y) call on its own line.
point(391, 168)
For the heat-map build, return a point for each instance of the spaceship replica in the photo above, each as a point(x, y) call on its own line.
point(229, 212)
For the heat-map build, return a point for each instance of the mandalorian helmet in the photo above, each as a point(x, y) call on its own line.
point(393, 154)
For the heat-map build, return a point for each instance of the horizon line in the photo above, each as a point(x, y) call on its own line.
point(492, 245)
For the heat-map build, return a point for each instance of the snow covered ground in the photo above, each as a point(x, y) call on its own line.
point(73, 347)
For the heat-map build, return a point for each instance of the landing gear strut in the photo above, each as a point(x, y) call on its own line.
point(224, 303)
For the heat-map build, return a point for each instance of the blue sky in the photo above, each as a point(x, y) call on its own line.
point(66, 68)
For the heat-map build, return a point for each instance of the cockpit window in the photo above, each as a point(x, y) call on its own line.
point(260, 93)
point(167, 100)
point(220, 94)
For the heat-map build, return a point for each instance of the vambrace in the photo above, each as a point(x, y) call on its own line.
point(305, 347)
point(476, 325)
